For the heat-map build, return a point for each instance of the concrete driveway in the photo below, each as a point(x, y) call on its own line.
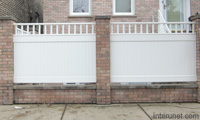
point(101, 112)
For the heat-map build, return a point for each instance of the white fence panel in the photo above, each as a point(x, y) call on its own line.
point(153, 57)
point(54, 59)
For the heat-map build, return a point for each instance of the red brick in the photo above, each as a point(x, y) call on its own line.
point(6, 68)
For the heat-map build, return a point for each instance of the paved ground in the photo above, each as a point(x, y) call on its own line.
point(182, 111)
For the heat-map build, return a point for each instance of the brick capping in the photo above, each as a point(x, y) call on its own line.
point(103, 17)
point(154, 86)
point(54, 87)
point(8, 18)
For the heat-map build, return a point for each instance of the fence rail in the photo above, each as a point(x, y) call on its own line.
point(116, 28)
point(54, 28)
point(151, 27)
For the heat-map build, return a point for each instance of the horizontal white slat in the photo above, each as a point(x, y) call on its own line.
point(54, 38)
point(155, 78)
point(87, 23)
point(152, 23)
point(152, 37)
point(65, 79)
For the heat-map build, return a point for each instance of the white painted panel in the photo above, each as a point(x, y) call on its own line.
point(54, 60)
point(153, 58)
point(54, 38)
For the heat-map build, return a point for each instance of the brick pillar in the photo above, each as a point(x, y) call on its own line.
point(196, 18)
point(103, 59)
point(6, 60)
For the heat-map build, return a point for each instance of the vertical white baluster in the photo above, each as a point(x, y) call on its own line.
point(181, 28)
point(117, 28)
point(152, 28)
point(147, 28)
point(39, 29)
point(22, 29)
point(81, 27)
point(56, 29)
point(27, 30)
point(176, 28)
point(45, 29)
point(33, 29)
point(51, 30)
point(129, 28)
point(135, 28)
point(74, 29)
point(86, 29)
point(187, 28)
point(123, 29)
point(69, 29)
point(63, 29)
point(141, 28)
point(193, 28)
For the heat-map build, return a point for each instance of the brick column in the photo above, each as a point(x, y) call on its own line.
point(196, 18)
point(103, 59)
point(6, 60)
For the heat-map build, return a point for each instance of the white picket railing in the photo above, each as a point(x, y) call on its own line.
point(116, 28)
point(151, 27)
point(54, 28)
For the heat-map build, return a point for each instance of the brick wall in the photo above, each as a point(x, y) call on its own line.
point(58, 11)
point(196, 18)
point(55, 96)
point(6, 61)
point(195, 6)
point(117, 96)
point(103, 59)
point(154, 95)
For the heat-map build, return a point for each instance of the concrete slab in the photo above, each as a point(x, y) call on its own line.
point(184, 109)
point(110, 112)
point(31, 112)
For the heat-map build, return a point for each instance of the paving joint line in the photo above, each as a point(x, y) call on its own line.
point(63, 112)
point(144, 111)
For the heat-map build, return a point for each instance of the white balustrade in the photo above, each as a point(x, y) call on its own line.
point(54, 28)
point(152, 27)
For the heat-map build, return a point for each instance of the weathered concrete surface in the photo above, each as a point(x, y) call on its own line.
point(96, 112)
point(108, 112)
point(31, 112)
point(183, 108)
